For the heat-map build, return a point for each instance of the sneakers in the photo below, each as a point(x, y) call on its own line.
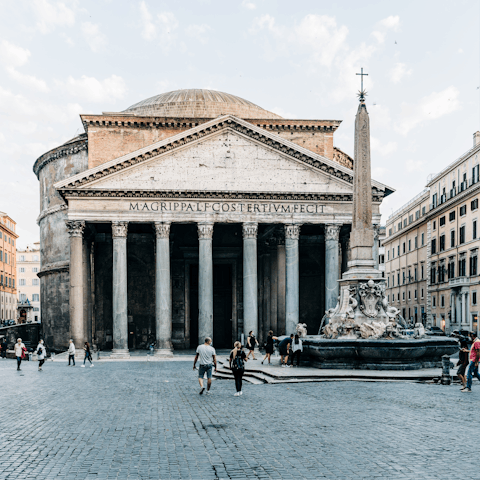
point(83, 366)
point(201, 391)
point(466, 390)
point(208, 392)
point(237, 394)
point(91, 365)
point(283, 365)
point(240, 392)
point(288, 366)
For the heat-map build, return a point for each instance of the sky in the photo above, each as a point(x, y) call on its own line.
point(59, 59)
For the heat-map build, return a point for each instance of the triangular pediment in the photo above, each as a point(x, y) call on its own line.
point(227, 154)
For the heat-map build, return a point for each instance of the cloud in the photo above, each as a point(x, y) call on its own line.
point(12, 55)
point(199, 32)
point(392, 22)
point(28, 80)
point(52, 14)
point(318, 35)
point(413, 166)
point(379, 36)
point(96, 91)
point(398, 72)
point(433, 106)
point(94, 37)
point(382, 148)
point(149, 31)
point(280, 111)
point(248, 5)
point(168, 24)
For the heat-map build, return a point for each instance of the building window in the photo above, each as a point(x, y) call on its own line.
point(433, 274)
point(417, 214)
point(416, 242)
point(415, 293)
point(422, 272)
point(35, 281)
point(388, 254)
point(22, 258)
point(410, 219)
point(434, 301)
point(461, 238)
point(398, 250)
point(423, 239)
point(388, 282)
point(415, 274)
point(451, 268)
point(35, 258)
point(393, 253)
point(403, 247)
point(474, 204)
point(399, 225)
point(35, 269)
point(442, 221)
point(393, 280)
point(463, 210)
point(442, 243)
point(389, 232)
point(473, 265)
point(452, 238)
point(434, 224)
point(434, 246)
point(474, 230)
point(462, 267)
point(403, 296)
point(474, 298)
point(409, 297)
point(451, 216)
point(405, 222)
point(403, 277)
point(441, 273)
point(442, 301)
point(35, 297)
point(398, 278)
point(22, 282)
point(23, 297)
point(423, 210)
point(422, 292)
point(22, 269)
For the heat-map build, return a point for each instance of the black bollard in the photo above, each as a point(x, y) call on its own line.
point(446, 377)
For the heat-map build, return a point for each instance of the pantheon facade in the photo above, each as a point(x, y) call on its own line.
point(193, 213)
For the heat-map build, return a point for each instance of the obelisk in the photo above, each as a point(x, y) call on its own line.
point(361, 264)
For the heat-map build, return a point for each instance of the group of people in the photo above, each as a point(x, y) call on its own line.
point(468, 362)
point(289, 347)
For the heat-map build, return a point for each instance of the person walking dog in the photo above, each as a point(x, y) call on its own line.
point(237, 366)
point(71, 352)
point(208, 358)
point(41, 352)
point(20, 351)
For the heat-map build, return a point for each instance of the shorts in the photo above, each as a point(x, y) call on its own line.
point(283, 351)
point(205, 369)
point(251, 348)
point(461, 369)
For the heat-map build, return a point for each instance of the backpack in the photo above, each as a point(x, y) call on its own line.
point(238, 363)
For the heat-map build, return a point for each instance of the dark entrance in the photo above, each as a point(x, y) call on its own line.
point(222, 305)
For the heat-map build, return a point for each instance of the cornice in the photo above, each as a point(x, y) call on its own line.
point(217, 195)
point(61, 151)
point(55, 267)
point(51, 211)
point(460, 197)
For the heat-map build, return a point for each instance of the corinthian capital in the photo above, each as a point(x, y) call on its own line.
point(205, 230)
point(332, 232)
point(119, 229)
point(162, 229)
point(292, 232)
point(75, 228)
point(250, 230)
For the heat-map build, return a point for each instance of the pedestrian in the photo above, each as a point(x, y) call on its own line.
point(237, 366)
point(463, 361)
point(251, 344)
point(40, 351)
point(269, 346)
point(71, 352)
point(284, 347)
point(297, 349)
point(208, 358)
point(472, 368)
point(88, 355)
point(4, 348)
point(20, 351)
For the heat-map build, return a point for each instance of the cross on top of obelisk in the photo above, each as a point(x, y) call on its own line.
point(362, 93)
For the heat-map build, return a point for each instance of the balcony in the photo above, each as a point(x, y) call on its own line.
point(459, 282)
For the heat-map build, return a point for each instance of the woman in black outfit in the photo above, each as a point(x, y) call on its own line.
point(237, 365)
point(269, 346)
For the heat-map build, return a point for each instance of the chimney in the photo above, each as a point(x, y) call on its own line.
point(476, 138)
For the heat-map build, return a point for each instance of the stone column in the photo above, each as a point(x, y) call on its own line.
point(464, 307)
point(282, 277)
point(468, 320)
point(163, 293)
point(266, 296)
point(273, 290)
point(332, 274)
point(77, 283)
point(250, 281)
point(376, 247)
point(292, 300)
point(452, 307)
point(205, 282)
point(458, 308)
point(120, 302)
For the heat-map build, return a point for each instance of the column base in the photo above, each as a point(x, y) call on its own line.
point(164, 352)
point(120, 353)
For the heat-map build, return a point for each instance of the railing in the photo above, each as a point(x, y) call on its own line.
point(459, 281)
point(413, 200)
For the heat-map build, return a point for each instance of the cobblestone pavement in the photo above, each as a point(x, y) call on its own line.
point(146, 420)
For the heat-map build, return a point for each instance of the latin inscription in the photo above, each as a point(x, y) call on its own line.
point(223, 207)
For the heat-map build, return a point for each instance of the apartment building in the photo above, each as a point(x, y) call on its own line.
point(28, 265)
point(432, 248)
point(406, 258)
point(8, 292)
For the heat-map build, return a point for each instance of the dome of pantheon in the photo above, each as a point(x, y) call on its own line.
point(198, 103)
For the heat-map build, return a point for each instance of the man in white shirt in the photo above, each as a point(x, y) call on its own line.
point(71, 352)
point(208, 357)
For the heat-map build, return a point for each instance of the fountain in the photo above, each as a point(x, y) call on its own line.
point(363, 331)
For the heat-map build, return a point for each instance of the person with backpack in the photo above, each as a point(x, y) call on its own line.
point(88, 354)
point(237, 365)
point(40, 351)
point(20, 351)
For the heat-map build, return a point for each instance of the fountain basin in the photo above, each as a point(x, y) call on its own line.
point(381, 354)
